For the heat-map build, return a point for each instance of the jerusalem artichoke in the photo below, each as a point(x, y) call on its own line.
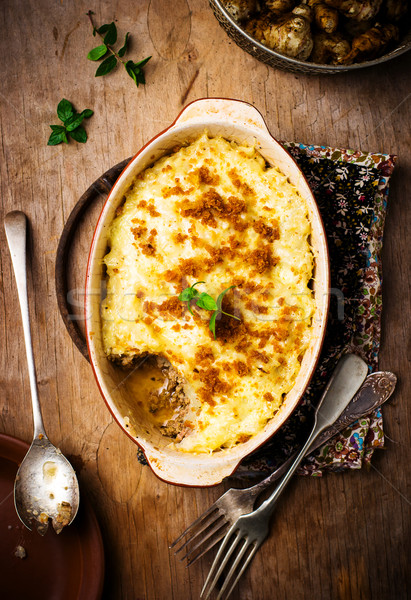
point(329, 48)
point(239, 9)
point(371, 44)
point(279, 7)
point(303, 10)
point(325, 17)
point(356, 9)
point(259, 25)
point(290, 35)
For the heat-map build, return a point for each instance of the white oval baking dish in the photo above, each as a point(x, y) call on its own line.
point(234, 120)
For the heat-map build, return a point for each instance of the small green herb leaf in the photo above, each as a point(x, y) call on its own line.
point(59, 128)
point(87, 113)
point(73, 122)
point(64, 109)
point(135, 70)
point(206, 301)
point(79, 135)
point(130, 70)
point(123, 49)
point(111, 35)
point(106, 66)
point(143, 62)
point(188, 294)
point(221, 296)
point(108, 32)
point(211, 324)
point(97, 52)
point(103, 29)
point(56, 137)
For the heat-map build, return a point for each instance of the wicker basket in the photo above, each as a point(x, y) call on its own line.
point(280, 61)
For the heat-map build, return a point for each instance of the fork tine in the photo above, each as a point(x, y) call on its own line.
point(208, 532)
point(214, 566)
point(243, 568)
point(215, 526)
point(203, 529)
point(233, 567)
point(212, 543)
point(193, 525)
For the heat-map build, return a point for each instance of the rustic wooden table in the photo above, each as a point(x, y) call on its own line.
point(345, 536)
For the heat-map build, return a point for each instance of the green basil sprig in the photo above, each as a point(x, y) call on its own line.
point(207, 302)
point(108, 32)
point(71, 127)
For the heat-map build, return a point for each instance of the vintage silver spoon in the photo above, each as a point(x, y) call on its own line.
point(46, 485)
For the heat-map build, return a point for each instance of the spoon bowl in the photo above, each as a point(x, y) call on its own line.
point(46, 485)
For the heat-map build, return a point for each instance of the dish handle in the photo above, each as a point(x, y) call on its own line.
point(190, 471)
point(237, 112)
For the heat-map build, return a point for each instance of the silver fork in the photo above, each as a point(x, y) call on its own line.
point(213, 524)
point(247, 534)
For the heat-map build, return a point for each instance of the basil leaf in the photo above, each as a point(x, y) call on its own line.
point(79, 135)
point(87, 113)
point(64, 110)
point(189, 293)
point(106, 66)
point(73, 122)
point(97, 52)
point(186, 295)
point(206, 301)
point(143, 62)
point(130, 70)
point(103, 28)
point(135, 70)
point(211, 324)
point(57, 137)
point(111, 35)
point(140, 77)
point(57, 128)
point(221, 296)
point(123, 49)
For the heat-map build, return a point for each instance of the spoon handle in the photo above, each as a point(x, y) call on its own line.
point(15, 225)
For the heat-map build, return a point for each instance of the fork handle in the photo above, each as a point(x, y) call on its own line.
point(344, 383)
point(15, 225)
point(377, 388)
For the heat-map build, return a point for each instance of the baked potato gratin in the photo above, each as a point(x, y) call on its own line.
point(212, 212)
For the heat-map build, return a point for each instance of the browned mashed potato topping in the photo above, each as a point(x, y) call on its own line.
point(213, 211)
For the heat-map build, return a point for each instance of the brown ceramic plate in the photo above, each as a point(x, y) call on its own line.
point(69, 566)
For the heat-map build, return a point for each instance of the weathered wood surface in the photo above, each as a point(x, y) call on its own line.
point(344, 536)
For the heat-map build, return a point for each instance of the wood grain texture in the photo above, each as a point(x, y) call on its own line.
point(345, 536)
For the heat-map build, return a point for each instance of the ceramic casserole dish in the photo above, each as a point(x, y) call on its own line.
point(235, 121)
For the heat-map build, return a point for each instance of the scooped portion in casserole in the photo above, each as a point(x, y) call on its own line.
point(214, 214)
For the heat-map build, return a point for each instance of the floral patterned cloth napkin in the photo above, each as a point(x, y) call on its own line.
point(351, 189)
